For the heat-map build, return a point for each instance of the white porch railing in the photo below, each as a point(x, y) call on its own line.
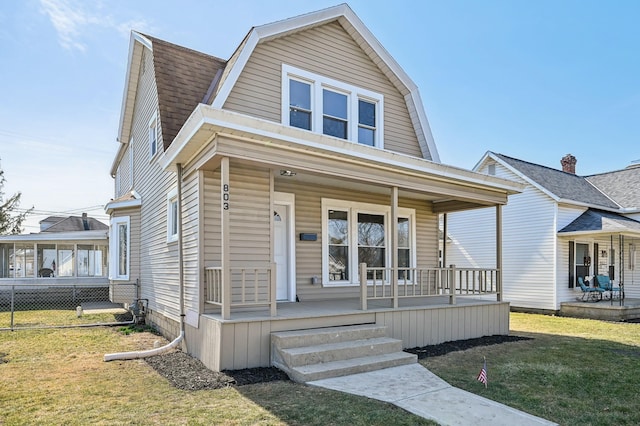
point(379, 284)
point(241, 287)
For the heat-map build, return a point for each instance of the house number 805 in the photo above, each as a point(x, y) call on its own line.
point(225, 196)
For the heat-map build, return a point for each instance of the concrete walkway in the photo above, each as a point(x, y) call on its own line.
point(421, 392)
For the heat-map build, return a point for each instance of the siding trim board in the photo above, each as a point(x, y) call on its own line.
point(274, 138)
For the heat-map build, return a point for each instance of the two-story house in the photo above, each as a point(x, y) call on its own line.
point(294, 185)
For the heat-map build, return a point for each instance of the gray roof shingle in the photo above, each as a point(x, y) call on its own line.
point(77, 223)
point(597, 220)
point(564, 185)
point(623, 186)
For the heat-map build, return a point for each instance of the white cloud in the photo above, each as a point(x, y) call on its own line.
point(71, 18)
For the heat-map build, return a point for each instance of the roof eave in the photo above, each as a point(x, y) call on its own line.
point(133, 62)
point(182, 150)
point(58, 236)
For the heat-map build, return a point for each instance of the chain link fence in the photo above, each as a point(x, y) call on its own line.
point(44, 306)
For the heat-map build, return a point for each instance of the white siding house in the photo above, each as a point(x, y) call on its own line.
point(542, 222)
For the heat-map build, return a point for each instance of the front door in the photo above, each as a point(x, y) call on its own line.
point(283, 254)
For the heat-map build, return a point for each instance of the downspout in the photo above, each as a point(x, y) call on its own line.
point(180, 338)
point(180, 251)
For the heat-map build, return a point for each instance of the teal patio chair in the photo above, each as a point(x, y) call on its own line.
point(590, 294)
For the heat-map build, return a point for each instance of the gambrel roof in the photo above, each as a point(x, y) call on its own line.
point(186, 78)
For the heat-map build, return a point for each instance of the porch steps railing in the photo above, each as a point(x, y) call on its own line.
point(308, 355)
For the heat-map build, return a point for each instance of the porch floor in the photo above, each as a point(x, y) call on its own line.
point(346, 306)
point(603, 310)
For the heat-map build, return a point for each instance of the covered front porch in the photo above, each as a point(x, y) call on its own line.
point(602, 266)
point(283, 229)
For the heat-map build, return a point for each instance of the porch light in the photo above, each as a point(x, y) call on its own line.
point(287, 173)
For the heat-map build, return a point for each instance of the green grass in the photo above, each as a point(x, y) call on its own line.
point(57, 376)
point(54, 318)
point(573, 372)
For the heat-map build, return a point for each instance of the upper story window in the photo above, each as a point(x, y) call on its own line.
point(300, 104)
point(153, 135)
point(323, 105)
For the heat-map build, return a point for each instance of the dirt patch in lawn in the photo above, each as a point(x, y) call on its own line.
point(187, 373)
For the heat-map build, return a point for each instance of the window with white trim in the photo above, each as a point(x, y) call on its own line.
point(153, 135)
point(119, 248)
point(172, 216)
point(324, 105)
point(353, 233)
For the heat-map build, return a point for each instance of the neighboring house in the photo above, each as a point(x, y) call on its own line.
point(561, 227)
point(67, 250)
point(250, 191)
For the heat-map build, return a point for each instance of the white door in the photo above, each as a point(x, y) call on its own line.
point(281, 250)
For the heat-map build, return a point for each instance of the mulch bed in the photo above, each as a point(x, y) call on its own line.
point(187, 373)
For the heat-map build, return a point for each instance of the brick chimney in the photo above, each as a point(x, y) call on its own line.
point(569, 164)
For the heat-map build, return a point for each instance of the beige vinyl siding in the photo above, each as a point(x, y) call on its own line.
point(125, 174)
point(308, 212)
point(329, 51)
point(250, 221)
point(232, 345)
point(210, 206)
point(190, 219)
point(158, 259)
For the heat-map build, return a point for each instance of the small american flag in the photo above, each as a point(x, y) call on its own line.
point(482, 377)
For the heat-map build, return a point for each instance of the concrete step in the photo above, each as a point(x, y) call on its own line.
point(306, 355)
point(308, 373)
point(319, 336)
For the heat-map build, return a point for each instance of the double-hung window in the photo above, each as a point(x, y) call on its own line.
point(300, 104)
point(172, 216)
point(334, 108)
point(119, 248)
point(354, 233)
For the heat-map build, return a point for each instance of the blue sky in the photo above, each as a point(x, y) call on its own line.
point(531, 79)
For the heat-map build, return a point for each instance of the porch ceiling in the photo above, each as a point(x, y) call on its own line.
point(212, 133)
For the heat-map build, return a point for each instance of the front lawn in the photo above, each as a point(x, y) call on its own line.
point(573, 371)
point(58, 376)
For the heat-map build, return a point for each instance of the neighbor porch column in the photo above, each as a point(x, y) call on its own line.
point(225, 207)
point(394, 245)
point(499, 251)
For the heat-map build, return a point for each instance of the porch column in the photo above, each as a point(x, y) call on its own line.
point(499, 251)
point(444, 241)
point(394, 245)
point(225, 237)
